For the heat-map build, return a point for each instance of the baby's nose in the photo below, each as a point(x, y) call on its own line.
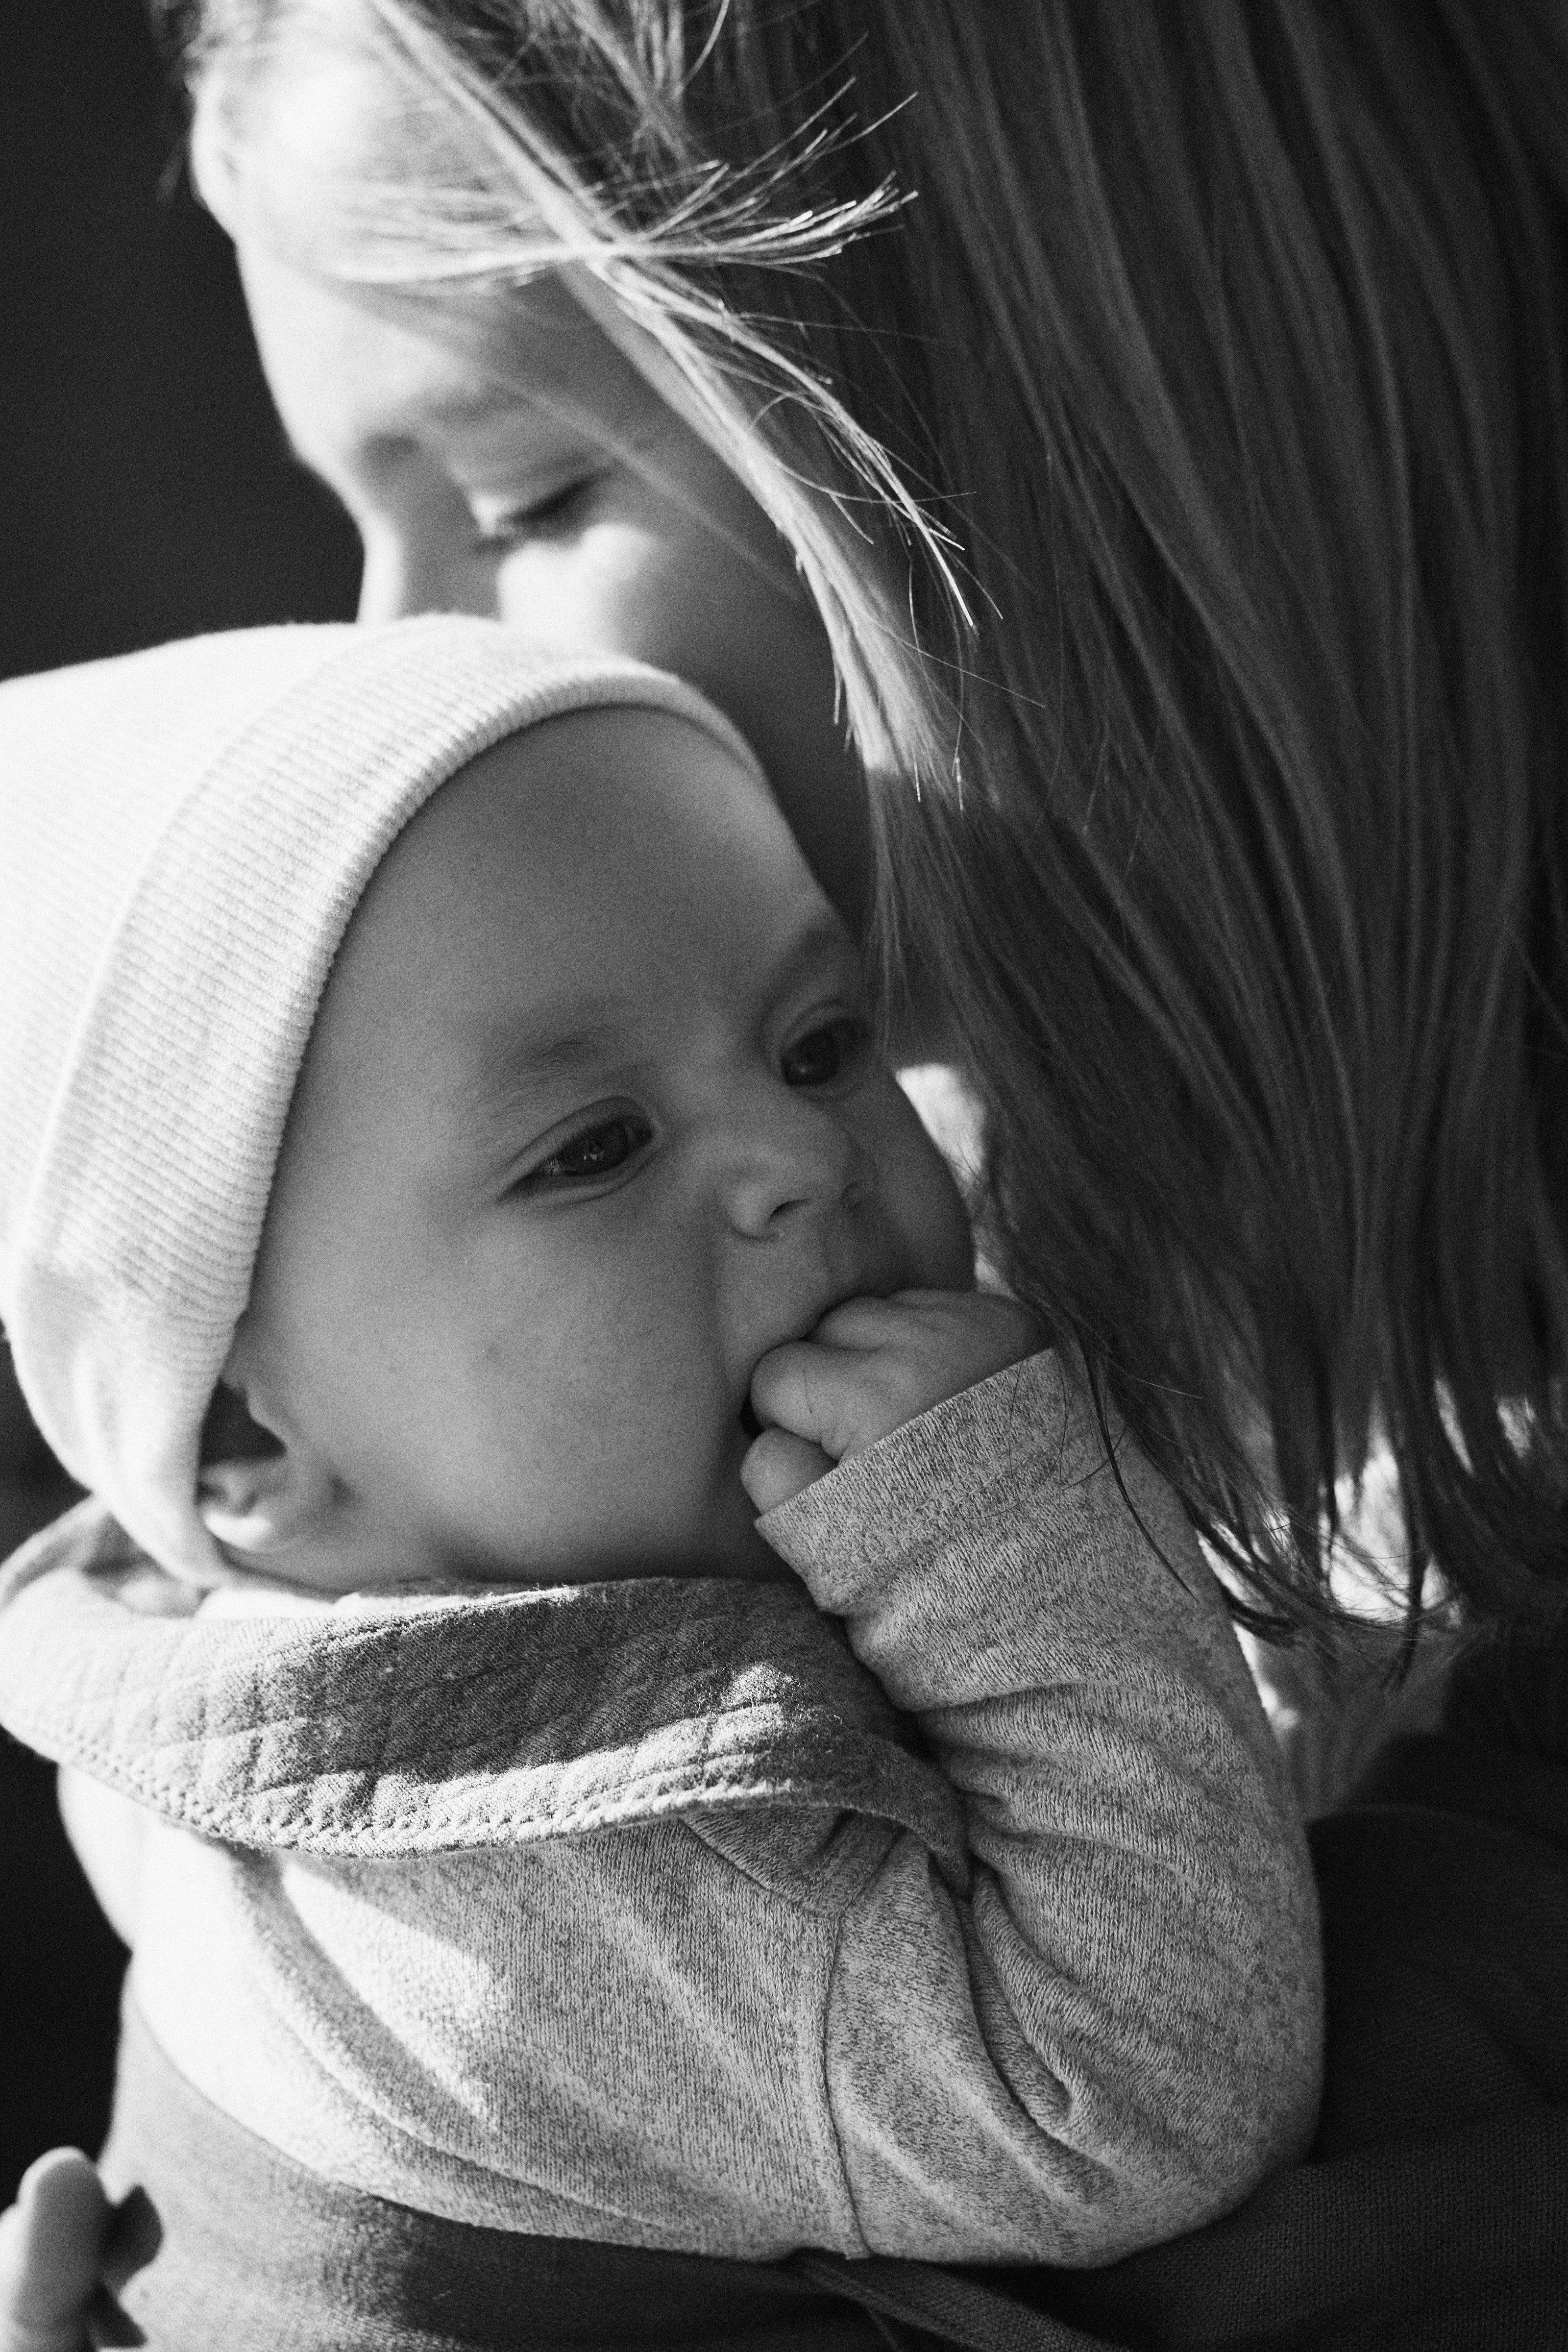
point(799, 1163)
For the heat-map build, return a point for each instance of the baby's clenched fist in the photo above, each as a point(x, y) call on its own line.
point(868, 1367)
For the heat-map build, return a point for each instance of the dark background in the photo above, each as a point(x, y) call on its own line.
point(146, 493)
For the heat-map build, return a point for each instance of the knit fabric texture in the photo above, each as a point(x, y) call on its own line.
point(187, 832)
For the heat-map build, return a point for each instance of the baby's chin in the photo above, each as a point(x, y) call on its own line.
point(252, 1592)
point(725, 1543)
point(749, 1560)
point(718, 1540)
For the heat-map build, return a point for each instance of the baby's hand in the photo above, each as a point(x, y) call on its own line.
point(51, 2242)
point(869, 1366)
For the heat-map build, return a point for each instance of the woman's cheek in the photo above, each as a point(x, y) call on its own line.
point(589, 594)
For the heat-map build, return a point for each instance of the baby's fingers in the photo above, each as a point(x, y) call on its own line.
point(808, 1390)
point(868, 1322)
point(777, 1466)
point(843, 1394)
point(51, 2245)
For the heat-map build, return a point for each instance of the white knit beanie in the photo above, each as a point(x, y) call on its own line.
point(184, 834)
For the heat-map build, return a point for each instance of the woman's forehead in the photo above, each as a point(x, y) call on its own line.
point(476, 368)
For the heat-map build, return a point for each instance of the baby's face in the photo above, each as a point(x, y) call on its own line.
point(590, 1120)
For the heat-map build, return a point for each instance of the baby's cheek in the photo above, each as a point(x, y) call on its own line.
point(927, 1204)
point(666, 1414)
point(958, 1239)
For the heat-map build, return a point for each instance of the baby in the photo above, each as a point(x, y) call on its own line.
point(448, 1189)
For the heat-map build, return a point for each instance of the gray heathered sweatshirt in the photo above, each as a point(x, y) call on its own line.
point(634, 1911)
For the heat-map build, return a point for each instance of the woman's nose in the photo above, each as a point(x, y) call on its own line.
point(427, 569)
point(794, 1165)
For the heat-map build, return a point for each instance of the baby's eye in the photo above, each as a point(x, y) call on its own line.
point(829, 1052)
point(592, 1153)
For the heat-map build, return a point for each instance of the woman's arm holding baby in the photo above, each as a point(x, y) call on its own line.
point(1114, 2030)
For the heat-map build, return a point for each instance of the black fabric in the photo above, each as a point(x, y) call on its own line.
point(1431, 2217)
point(246, 2252)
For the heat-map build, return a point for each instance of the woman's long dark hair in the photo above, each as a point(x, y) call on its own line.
point(1224, 342)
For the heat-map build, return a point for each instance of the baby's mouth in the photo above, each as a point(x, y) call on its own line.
point(749, 1421)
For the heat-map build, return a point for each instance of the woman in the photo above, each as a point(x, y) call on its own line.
point(1181, 393)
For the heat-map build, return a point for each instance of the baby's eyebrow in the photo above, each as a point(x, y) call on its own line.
point(820, 936)
point(512, 1064)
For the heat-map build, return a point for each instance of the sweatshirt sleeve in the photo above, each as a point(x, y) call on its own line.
point(1113, 2029)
